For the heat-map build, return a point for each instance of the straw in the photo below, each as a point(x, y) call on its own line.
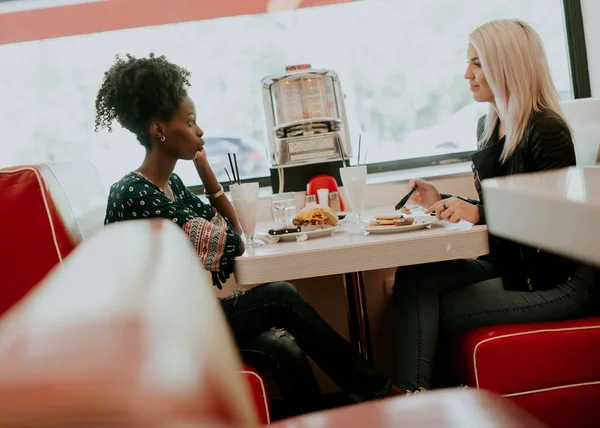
point(237, 171)
point(228, 176)
point(359, 144)
point(232, 169)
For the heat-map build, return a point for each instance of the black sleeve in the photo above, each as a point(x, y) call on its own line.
point(481, 214)
point(551, 145)
point(469, 200)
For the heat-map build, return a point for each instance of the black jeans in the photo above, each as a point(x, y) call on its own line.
point(279, 305)
point(458, 295)
point(276, 353)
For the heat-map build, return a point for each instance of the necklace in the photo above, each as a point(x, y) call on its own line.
point(172, 197)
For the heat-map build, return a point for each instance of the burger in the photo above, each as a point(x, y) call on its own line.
point(316, 216)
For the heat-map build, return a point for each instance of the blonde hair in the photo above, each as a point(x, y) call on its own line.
point(515, 66)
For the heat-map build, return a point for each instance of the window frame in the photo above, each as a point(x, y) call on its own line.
point(580, 73)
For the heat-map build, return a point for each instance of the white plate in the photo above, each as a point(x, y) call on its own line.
point(318, 233)
point(421, 222)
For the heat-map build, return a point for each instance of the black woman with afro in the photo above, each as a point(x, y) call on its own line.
point(148, 96)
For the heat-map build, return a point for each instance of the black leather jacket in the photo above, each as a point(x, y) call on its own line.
point(547, 144)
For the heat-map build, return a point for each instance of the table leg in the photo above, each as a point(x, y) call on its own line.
point(358, 316)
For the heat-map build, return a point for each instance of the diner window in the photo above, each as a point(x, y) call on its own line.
point(401, 65)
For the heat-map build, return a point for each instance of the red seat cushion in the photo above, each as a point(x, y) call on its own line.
point(522, 357)
point(550, 369)
point(576, 406)
point(259, 394)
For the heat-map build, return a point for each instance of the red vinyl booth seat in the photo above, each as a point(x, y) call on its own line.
point(552, 370)
point(258, 390)
point(46, 210)
point(34, 238)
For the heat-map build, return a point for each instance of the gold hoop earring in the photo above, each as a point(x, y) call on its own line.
point(163, 138)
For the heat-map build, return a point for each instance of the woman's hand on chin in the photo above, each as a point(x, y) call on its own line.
point(455, 210)
point(200, 159)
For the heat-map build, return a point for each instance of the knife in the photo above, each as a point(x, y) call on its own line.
point(405, 199)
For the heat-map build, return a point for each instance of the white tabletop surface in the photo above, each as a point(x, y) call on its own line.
point(556, 210)
point(354, 251)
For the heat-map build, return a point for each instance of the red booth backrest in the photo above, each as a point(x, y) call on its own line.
point(45, 211)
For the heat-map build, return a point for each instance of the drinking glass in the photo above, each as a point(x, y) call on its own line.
point(354, 179)
point(245, 202)
point(283, 208)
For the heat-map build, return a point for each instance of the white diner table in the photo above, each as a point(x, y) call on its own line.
point(556, 210)
point(352, 252)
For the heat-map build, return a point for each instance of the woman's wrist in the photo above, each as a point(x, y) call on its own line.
point(202, 167)
point(213, 196)
point(200, 161)
point(207, 176)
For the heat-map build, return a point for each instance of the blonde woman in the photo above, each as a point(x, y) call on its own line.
point(524, 131)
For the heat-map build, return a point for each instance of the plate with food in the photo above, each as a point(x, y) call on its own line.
point(398, 223)
point(314, 221)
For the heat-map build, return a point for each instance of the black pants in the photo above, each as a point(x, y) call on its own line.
point(276, 353)
point(458, 295)
point(280, 306)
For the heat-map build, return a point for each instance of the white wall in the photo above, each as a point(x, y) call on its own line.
point(591, 23)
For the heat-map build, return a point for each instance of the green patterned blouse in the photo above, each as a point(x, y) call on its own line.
point(215, 241)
